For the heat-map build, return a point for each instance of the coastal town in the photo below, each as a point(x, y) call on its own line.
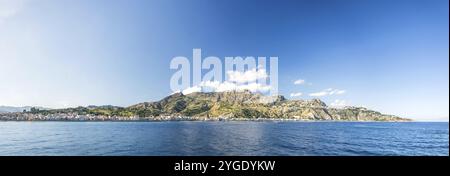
point(87, 117)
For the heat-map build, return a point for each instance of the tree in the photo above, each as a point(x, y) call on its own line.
point(34, 110)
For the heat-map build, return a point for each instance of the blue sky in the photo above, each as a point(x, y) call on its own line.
point(391, 56)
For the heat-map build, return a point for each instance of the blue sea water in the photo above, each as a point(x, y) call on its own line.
point(223, 138)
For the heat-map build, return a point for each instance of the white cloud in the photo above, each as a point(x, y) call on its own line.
point(299, 82)
point(9, 8)
point(318, 94)
point(216, 86)
point(329, 91)
point(335, 91)
point(192, 90)
point(253, 87)
point(247, 76)
point(297, 94)
point(238, 81)
point(339, 103)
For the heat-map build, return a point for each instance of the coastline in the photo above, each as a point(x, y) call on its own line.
point(211, 120)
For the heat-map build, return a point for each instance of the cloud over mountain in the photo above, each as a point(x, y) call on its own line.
point(238, 81)
point(326, 92)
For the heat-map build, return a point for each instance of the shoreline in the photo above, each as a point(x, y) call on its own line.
point(228, 120)
point(76, 117)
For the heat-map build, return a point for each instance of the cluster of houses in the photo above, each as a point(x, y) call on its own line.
point(62, 117)
point(88, 117)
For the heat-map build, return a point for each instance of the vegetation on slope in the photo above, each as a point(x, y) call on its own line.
point(230, 105)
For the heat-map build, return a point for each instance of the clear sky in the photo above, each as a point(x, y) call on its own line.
point(391, 56)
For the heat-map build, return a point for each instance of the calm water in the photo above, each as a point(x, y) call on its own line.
point(223, 138)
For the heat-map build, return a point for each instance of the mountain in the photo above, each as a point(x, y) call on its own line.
point(4, 109)
point(231, 105)
point(247, 105)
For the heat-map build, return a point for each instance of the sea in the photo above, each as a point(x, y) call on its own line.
point(243, 138)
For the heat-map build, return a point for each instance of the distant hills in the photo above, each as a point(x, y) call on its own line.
point(231, 105)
